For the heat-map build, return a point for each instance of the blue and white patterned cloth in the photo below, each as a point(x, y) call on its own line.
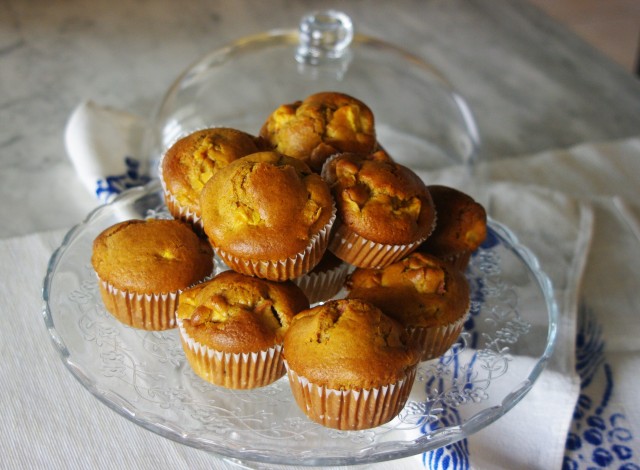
point(604, 428)
point(578, 211)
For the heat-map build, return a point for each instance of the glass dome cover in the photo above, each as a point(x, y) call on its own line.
point(420, 119)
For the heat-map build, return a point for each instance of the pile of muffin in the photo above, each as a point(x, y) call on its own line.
point(310, 206)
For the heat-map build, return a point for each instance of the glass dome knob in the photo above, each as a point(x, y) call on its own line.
point(324, 35)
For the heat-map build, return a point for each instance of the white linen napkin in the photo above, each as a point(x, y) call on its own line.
point(105, 146)
point(605, 431)
point(558, 203)
point(558, 230)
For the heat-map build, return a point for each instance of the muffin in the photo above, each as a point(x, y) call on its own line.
point(384, 209)
point(325, 280)
point(426, 294)
point(232, 328)
point(189, 163)
point(143, 265)
point(319, 126)
point(461, 227)
point(268, 215)
point(350, 367)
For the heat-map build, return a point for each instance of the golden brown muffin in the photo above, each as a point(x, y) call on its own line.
point(325, 280)
point(426, 294)
point(384, 209)
point(349, 365)
point(461, 227)
point(232, 328)
point(319, 126)
point(142, 266)
point(268, 215)
point(189, 163)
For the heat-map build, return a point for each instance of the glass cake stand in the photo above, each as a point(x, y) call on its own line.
point(424, 124)
point(144, 375)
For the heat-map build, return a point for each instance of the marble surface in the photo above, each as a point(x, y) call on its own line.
point(531, 84)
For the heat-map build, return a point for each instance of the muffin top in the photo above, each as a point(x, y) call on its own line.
point(265, 206)
point(419, 290)
point(379, 199)
point(151, 256)
point(462, 222)
point(319, 126)
point(348, 344)
point(189, 163)
point(237, 313)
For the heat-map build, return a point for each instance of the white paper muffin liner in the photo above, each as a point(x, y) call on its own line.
point(232, 370)
point(350, 409)
point(176, 209)
point(319, 286)
point(360, 251)
point(435, 341)
point(179, 211)
point(287, 268)
point(363, 253)
point(145, 311)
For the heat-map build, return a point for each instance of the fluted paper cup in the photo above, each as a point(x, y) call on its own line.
point(319, 286)
point(232, 370)
point(435, 341)
point(350, 409)
point(363, 253)
point(177, 210)
point(153, 312)
point(286, 268)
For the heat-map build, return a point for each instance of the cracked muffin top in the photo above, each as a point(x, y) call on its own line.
point(419, 290)
point(237, 313)
point(189, 163)
point(265, 206)
point(348, 344)
point(319, 126)
point(151, 256)
point(379, 199)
